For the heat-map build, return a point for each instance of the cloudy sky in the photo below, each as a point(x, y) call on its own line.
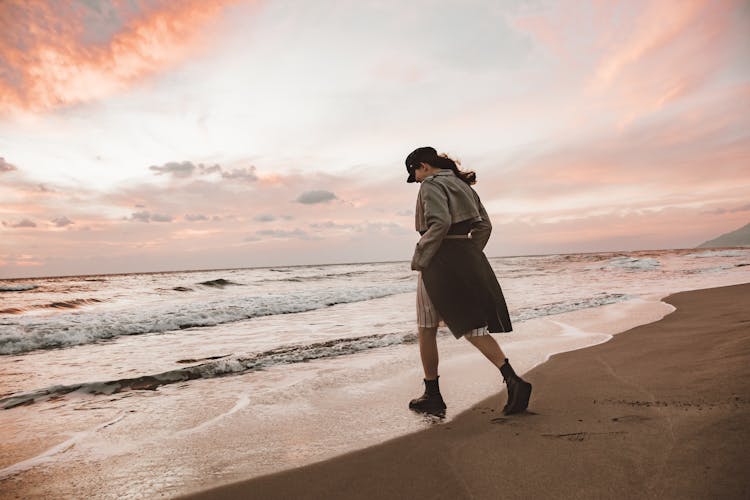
point(158, 135)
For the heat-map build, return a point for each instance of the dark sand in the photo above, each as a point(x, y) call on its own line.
point(660, 411)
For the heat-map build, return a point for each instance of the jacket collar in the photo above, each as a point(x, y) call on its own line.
point(442, 172)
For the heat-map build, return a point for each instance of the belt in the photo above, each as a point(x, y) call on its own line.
point(457, 236)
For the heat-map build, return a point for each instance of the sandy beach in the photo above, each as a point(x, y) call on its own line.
point(659, 411)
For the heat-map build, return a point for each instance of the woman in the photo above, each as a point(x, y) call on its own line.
point(456, 283)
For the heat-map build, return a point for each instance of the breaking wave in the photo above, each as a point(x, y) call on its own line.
point(223, 366)
point(71, 329)
point(564, 306)
point(234, 364)
point(219, 283)
point(63, 304)
point(17, 288)
point(642, 264)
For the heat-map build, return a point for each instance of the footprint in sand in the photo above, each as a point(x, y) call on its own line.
point(513, 418)
point(630, 418)
point(580, 436)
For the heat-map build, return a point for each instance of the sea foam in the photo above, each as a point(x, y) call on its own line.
point(720, 253)
point(645, 263)
point(23, 334)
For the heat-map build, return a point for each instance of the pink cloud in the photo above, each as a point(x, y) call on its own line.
point(228, 224)
point(367, 229)
point(634, 58)
point(654, 29)
point(20, 261)
point(29, 263)
point(632, 231)
point(5, 166)
point(60, 53)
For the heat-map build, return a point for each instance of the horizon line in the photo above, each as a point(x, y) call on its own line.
point(351, 263)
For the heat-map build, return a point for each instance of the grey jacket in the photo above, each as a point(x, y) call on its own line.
point(444, 199)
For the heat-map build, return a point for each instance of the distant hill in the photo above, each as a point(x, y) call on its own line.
point(737, 238)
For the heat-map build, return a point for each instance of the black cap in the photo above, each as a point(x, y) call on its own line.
point(424, 154)
point(411, 175)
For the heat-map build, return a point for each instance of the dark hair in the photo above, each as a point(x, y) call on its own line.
point(429, 155)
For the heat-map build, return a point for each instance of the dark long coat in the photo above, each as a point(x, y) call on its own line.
point(464, 289)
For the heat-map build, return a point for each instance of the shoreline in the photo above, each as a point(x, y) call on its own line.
point(660, 410)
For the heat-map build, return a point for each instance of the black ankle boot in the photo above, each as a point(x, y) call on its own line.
point(431, 401)
point(519, 391)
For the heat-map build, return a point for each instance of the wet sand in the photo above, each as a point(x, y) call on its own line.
point(659, 411)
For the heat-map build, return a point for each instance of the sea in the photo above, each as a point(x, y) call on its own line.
point(141, 385)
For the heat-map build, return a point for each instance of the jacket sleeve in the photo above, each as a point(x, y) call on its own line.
point(438, 219)
point(480, 231)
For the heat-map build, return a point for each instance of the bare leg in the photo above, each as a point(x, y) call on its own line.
point(490, 348)
point(428, 351)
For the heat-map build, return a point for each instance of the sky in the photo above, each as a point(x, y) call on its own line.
point(154, 135)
